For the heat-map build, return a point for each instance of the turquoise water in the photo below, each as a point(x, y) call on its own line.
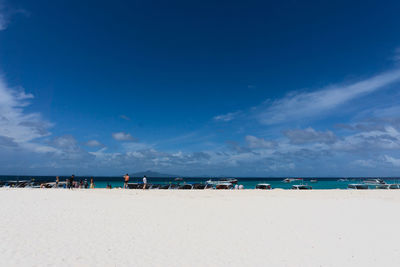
point(248, 183)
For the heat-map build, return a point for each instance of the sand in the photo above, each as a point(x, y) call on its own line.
point(57, 227)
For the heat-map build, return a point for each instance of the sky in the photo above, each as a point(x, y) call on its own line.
point(235, 88)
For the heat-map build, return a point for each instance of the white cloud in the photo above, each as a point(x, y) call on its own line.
point(365, 163)
point(93, 143)
point(15, 123)
point(255, 142)
point(7, 12)
point(227, 117)
point(394, 161)
point(386, 139)
point(7, 142)
point(309, 135)
point(296, 106)
point(134, 146)
point(122, 136)
point(68, 149)
point(388, 112)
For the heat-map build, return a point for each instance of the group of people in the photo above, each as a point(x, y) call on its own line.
point(126, 181)
point(71, 183)
point(239, 187)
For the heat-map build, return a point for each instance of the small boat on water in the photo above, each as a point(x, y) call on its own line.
point(223, 180)
point(133, 186)
point(289, 180)
point(141, 185)
point(301, 187)
point(16, 184)
point(173, 186)
point(185, 187)
point(393, 186)
point(379, 186)
point(263, 186)
point(343, 180)
point(374, 181)
point(6, 184)
point(202, 186)
point(314, 181)
point(384, 186)
point(169, 186)
point(358, 186)
point(48, 185)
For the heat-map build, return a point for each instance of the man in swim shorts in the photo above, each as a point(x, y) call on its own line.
point(126, 180)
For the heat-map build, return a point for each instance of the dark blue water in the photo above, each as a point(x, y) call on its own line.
point(248, 183)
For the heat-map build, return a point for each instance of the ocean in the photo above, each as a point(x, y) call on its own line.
point(247, 182)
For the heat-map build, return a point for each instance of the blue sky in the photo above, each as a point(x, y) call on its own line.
point(238, 88)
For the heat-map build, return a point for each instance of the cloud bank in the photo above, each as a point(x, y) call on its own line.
point(93, 143)
point(16, 125)
point(298, 106)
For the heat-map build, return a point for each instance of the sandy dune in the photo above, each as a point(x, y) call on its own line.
point(51, 227)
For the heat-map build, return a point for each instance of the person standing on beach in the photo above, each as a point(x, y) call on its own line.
point(91, 183)
point(71, 181)
point(86, 184)
point(144, 182)
point(57, 181)
point(126, 181)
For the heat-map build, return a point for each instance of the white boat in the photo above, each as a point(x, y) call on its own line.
point(229, 180)
point(223, 180)
point(393, 186)
point(16, 184)
point(358, 186)
point(289, 180)
point(343, 180)
point(385, 186)
point(374, 181)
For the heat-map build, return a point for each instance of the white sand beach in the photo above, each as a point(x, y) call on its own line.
point(55, 227)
